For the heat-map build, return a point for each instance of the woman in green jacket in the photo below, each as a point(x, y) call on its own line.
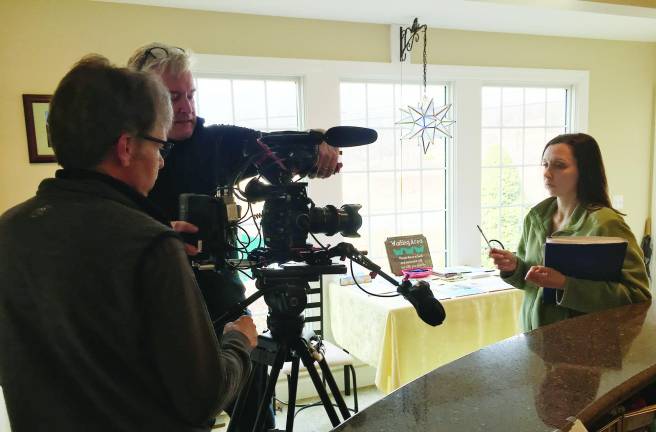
point(579, 206)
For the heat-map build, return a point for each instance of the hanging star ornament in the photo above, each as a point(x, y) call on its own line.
point(426, 123)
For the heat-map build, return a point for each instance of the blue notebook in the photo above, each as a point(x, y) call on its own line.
point(592, 258)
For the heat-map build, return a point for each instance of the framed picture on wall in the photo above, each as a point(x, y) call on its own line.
point(36, 115)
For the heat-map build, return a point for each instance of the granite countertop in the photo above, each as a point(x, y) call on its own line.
point(538, 381)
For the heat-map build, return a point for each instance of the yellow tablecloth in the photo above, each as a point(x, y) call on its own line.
point(387, 334)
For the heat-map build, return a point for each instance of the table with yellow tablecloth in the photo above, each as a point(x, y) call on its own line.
point(387, 334)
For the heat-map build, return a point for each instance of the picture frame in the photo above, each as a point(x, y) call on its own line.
point(36, 107)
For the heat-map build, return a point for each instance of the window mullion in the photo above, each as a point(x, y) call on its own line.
point(465, 162)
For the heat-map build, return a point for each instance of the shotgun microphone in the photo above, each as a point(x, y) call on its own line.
point(338, 136)
point(350, 136)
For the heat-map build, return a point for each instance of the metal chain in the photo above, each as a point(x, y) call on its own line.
point(425, 62)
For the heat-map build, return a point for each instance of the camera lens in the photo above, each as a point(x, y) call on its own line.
point(330, 220)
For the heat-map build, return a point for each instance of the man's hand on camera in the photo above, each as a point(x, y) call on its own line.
point(245, 326)
point(186, 227)
point(326, 161)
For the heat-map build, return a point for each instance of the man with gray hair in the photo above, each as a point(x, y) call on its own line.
point(102, 325)
point(204, 158)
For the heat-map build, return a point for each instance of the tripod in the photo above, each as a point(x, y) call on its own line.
point(287, 341)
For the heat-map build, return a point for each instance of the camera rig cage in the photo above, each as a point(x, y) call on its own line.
point(288, 217)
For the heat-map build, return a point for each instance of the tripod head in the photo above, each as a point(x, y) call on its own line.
point(284, 289)
point(285, 292)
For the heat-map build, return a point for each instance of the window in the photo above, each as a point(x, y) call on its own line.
point(368, 94)
point(402, 190)
point(365, 94)
point(261, 104)
point(256, 103)
point(516, 124)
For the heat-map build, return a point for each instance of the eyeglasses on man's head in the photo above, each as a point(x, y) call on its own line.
point(156, 53)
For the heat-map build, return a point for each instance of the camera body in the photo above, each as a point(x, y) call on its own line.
point(289, 215)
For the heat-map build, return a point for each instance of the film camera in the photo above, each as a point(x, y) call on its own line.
point(288, 216)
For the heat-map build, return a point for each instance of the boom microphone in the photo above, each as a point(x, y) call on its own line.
point(292, 138)
point(338, 136)
point(350, 136)
point(429, 309)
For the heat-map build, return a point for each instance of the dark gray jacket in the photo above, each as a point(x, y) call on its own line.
point(102, 326)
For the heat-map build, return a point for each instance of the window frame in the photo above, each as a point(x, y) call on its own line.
point(319, 85)
point(438, 252)
point(524, 206)
point(244, 77)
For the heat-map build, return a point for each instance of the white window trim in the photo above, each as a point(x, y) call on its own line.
point(233, 77)
point(320, 108)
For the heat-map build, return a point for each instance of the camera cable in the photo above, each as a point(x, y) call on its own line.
point(353, 274)
point(364, 290)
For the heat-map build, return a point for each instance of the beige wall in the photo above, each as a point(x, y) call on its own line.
point(40, 40)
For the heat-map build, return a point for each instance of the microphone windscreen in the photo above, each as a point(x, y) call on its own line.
point(431, 312)
point(429, 309)
point(350, 136)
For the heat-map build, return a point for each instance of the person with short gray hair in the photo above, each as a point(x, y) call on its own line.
point(158, 57)
point(204, 158)
point(102, 324)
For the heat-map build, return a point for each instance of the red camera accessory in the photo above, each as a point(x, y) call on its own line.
point(417, 272)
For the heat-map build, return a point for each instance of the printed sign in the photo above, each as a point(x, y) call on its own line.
point(407, 252)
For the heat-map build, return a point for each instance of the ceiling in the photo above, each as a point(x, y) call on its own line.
point(599, 19)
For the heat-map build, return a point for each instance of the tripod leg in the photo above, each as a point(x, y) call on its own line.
point(308, 361)
point(238, 410)
point(330, 380)
point(293, 385)
point(281, 355)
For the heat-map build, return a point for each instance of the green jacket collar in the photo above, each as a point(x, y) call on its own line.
point(543, 212)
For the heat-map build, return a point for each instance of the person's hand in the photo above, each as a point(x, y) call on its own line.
point(186, 227)
point(546, 277)
point(504, 260)
point(245, 326)
point(326, 161)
